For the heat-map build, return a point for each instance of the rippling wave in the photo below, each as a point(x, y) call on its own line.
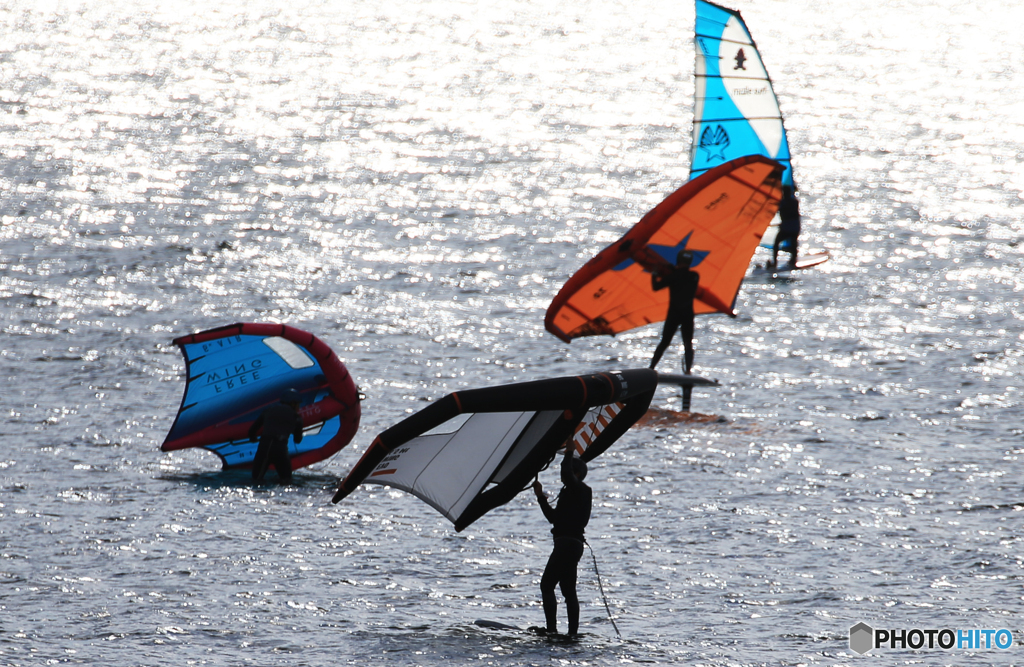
point(413, 182)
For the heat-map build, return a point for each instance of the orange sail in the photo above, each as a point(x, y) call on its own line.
point(719, 216)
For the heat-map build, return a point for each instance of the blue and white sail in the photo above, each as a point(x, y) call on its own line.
point(736, 111)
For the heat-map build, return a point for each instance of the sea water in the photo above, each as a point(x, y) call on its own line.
point(413, 182)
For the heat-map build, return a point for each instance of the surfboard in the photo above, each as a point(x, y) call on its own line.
point(804, 262)
point(686, 380)
point(497, 625)
point(533, 630)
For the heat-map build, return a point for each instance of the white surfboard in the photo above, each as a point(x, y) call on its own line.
point(785, 268)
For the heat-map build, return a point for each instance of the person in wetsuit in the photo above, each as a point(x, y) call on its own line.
point(277, 423)
point(682, 290)
point(789, 227)
point(568, 518)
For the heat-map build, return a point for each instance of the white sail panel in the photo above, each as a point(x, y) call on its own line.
point(448, 470)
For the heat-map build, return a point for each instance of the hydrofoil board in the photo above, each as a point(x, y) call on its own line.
point(804, 262)
point(686, 380)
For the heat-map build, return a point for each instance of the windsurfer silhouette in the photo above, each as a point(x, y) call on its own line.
point(568, 518)
point(789, 227)
point(682, 289)
point(277, 423)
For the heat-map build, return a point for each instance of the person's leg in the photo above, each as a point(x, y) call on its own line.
point(686, 331)
point(283, 462)
point(669, 330)
point(261, 461)
point(572, 554)
point(548, 581)
point(572, 602)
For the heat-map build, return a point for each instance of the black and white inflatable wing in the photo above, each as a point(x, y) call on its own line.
point(475, 450)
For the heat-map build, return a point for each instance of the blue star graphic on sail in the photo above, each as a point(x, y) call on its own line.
point(714, 142)
point(669, 254)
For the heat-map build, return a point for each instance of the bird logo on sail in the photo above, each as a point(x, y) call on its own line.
point(714, 142)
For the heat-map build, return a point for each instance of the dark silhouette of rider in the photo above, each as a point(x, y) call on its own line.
point(682, 290)
point(277, 423)
point(789, 227)
point(568, 518)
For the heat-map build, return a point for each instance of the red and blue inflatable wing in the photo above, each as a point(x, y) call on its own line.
point(234, 372)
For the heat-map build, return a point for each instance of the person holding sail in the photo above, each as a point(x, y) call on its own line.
point(682, 290)
point(789, 226)
point(273, 427)
point(568, 518)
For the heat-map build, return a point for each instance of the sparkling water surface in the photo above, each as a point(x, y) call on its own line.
point(413, 182)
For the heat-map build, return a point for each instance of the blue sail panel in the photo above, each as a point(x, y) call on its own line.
point(239, 374)
point(736, 112)
point(240, 453)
